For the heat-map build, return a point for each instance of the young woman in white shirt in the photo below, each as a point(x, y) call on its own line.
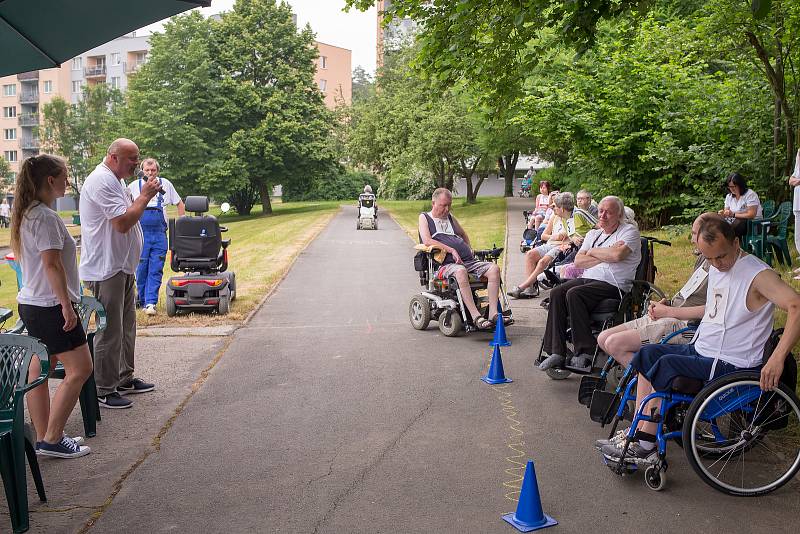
point(51, 289)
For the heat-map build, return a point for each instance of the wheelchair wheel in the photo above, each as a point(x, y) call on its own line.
point(655, 478)
point(558, 374)
point(450, 323)
point(741, 440)
point(419, 311)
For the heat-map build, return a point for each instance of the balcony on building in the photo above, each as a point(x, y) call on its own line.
point(29, 97)
point(29, 119)
point(95, 71)
point(29, 143)
point(25, 76)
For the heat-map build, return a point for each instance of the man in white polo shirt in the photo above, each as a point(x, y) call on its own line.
point(610, 256)
point(111, 242)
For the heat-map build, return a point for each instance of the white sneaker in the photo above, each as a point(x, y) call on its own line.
point(150, 309)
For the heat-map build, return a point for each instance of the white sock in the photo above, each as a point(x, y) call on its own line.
point(647, 445)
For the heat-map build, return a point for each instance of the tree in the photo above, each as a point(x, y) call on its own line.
point(5, 175)
point(363, 85)
point(281, 122)
point(83, 132)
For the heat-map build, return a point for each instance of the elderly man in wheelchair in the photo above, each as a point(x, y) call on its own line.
point(610, 255)
point(438, 228)
point(728, 417)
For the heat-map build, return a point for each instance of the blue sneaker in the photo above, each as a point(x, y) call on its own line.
point(66, 448)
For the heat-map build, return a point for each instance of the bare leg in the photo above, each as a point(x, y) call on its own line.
point(643, 389)
point(38, 399)
point(77, 367)
point(541, 267)
point(466, 292)
point(621, 344)
point(493, 288)
point(532, 257)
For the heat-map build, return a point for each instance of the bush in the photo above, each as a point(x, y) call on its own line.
point(406, 185)
point(345, 185)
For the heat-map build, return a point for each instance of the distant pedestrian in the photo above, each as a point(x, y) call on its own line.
point(111, 246)
point(154, 229)
point(5, 213)
point(50, 290)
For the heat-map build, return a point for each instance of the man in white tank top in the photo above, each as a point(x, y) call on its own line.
point(736, 322)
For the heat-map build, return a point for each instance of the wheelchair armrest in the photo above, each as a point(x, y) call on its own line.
point(223, 228)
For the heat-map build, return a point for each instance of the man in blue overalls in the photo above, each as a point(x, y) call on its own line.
point(154, 227)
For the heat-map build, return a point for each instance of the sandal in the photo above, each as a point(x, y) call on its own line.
point(482, 323)
point(506, 320)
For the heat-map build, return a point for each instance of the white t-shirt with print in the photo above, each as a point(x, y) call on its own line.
point(620, 273)
point(104, 251)
point(170, 195)
point(42, 229)
point(749, 199)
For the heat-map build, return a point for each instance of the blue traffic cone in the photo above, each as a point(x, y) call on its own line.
point(529, 515)
point(496, 375)
point(499, 331)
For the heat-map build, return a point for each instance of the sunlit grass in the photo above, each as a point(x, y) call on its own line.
point(262, 248)
point(484, 221)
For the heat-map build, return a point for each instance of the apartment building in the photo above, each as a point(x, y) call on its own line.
point(22, 95)
point(396, 30)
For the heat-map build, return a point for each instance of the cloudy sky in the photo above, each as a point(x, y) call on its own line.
point(354, 30)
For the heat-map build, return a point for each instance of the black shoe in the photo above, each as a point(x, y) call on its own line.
point(137, 385)
point(114, 401)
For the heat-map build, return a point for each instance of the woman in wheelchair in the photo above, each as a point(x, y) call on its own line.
point(439, 228)
point(736, 323)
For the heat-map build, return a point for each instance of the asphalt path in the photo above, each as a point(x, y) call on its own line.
point(329, 413)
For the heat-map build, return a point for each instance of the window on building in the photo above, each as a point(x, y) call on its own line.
point(77, 63)
point(10, 155)
point(323, 62)
point(77, 85)
point(115, 82)
point(116, 58)
point(12, 176)
point(9, 112)
point(9, 134)
point(48, 86)
point(141, 57)
point(323, 85)
point(10, 89)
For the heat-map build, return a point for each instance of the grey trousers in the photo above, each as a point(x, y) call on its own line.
point(114, 347)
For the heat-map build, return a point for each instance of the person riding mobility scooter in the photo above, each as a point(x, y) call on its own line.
point(367, 210)
point(197, 249)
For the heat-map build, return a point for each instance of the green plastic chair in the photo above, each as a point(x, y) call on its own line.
point(755, 240)
point(767, 209)
point(90, 408)
point(779, 242)
point(16, 352)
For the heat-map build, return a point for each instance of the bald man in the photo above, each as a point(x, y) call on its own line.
point(111, 243)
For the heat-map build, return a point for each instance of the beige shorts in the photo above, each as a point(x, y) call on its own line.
point(651, 331)
point(476, 268)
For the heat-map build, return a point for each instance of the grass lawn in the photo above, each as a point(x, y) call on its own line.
point(484, 221)
point(261, 250)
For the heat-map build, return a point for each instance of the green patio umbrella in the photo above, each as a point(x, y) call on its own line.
point(41, 34)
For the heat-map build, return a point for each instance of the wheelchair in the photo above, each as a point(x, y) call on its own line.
point(367, 212)
point(197, 249)
point(612, 312)
point(441, 299)
point(531, 237)
point(739, 439)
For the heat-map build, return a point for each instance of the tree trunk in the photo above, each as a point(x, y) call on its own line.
point(468, 172)
point(776, 83)
point(509, 165)
point(776, 140)
point(263, 190)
